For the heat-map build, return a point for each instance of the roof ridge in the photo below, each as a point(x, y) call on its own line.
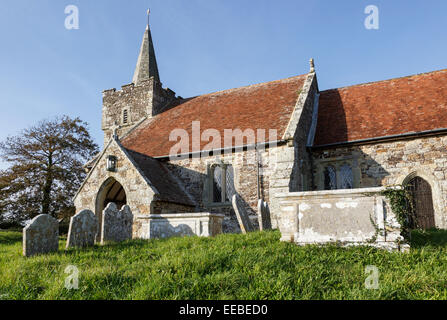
point(147, 121)
point(386, 80)
point(247, 86)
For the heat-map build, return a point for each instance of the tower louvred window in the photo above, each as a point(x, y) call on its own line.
point(125, 116)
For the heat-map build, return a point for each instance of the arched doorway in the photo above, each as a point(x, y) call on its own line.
point(110, 191)
point(422, 203)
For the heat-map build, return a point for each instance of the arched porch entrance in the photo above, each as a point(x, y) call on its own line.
point(110, 191)
point(422, 203)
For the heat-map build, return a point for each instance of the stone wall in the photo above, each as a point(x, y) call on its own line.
point(292, 169)
point(139, 194)
point(161, 207)
point(357, 216)
point(276, 174)
point(195, 174)
point(145, 100)
point(282, 168)
point(390, 163)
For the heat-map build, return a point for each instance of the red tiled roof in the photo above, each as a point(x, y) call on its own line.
point(403, 105)
point(262, 106)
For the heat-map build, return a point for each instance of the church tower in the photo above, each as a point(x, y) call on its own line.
point(144, 98)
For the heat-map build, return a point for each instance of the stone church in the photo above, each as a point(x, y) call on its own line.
point(186, 157)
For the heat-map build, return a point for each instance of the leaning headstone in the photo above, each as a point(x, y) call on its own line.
point(264, 215)
point(241, 214)
point(116, 225)
point(83, 229)
point(41, 235)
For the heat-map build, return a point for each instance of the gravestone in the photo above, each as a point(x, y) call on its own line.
point(264, 215)
point(116, 224)
point(267, 221)
point(41, 235)
point(82, 230)
point(241, 214)
point(260, 209)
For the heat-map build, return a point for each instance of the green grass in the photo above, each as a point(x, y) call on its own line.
point(253, 266)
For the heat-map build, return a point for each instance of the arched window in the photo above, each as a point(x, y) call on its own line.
point(346, 178)
point(217, 184)
point(330, 178)
point(222, 183)
point(230, 190)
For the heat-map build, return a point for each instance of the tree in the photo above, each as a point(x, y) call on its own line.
point(46, 168)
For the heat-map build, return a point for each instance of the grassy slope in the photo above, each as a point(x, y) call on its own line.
point(253, 266)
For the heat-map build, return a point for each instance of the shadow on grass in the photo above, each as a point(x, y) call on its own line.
point(432, 238)
point(10, 237)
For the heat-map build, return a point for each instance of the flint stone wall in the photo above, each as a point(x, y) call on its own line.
point(392, 163)
point(284, 168)
point(180, 224)
point(195, 175)
point(41, 235)
point(146, 99)
point(276, 166)
point(139, 195)
point(354, 216)
point(83, 229)
point(116, 224)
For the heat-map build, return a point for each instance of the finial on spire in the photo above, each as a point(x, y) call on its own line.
point(148, 14)
point(312, 65)
point(146, 64)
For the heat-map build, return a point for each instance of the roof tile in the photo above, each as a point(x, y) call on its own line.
point(262, 106)
point(391, 107)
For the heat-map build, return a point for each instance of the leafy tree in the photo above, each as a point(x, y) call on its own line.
point(46, 168)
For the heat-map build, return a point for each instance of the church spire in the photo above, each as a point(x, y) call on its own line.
point(147, 63)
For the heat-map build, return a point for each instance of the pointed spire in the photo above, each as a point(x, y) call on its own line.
point(147, 63)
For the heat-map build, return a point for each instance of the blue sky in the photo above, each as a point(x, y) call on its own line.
point(202, 46)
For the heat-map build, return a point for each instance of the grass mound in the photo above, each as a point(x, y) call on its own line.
point(230, 266)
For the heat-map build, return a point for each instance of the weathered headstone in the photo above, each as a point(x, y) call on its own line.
point(116, 224)
point(83, 229)
point(41, 235)
point(260, 209)
point(268, 220)
point(264, 215)
point(241, 214)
